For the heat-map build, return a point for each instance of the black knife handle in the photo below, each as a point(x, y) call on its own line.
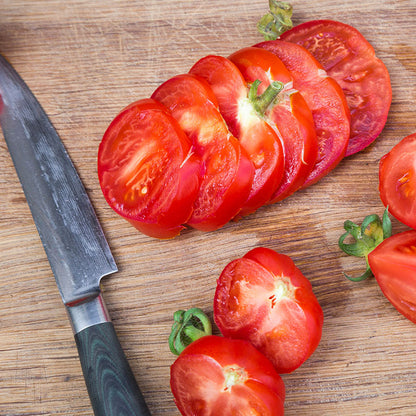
point(110, 382)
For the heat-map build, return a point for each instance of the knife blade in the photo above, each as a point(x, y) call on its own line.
point(74, 243)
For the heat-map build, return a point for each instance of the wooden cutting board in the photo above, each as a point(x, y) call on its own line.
point(87, 59)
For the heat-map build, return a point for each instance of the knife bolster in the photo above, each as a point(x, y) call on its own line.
point(88, 313)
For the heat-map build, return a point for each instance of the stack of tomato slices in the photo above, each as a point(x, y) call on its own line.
point(241, 132)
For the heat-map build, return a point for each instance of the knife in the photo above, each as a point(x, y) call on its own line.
point(74, 243)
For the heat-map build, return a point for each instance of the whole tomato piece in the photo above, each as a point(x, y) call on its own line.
point(226, 173)
point(393, 263)
point(397, 180)
point(349, 58)
point(147, 170)
point(218, 376)
point(265, 299)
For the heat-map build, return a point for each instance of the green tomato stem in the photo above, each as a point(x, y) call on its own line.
point(261, 102)
point(277, 21)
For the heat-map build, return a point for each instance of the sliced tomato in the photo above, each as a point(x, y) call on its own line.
point(348, 58)
point(393, 263)
point(397, 180)
point(219, 376)
point(265, 299)
point(147, 171)
point(289, 115)
point(226, 171)
point(324, 98)
point(256, 136)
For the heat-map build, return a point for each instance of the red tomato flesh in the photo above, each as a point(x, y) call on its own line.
point(393, 263)
point(256, 136)
point(226, 171)
point(265, 299)
point(348, 58)
point(326, 101)
point(397, 180)
point(290, 116)
point(147, 171)
point(219, 376)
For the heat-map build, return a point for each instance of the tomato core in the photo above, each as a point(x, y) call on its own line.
point(282, 289)
point(233, 375)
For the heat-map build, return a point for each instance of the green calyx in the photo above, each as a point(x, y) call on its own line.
point(277, 21)
point(367, 237)
point(261, 102)
point(188, 326)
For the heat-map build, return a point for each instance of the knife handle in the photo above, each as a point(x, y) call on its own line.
point(110, 382)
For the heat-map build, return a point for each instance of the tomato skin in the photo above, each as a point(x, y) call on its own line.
point(393, 263)
point(397, 180)
point(146, 170)
point(197, 380)
point(255, 135)
point(265, 299)
point(325, 99)
point(290, 117)
point(226, 173)
point(350, 59)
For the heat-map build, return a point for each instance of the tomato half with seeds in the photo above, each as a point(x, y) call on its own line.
point(289, 115)
point(397, 180)
point(226, 171)
point(393, 263)
point(265, 299)
point(326, 101)
point(349, 58)
point(255, 135)
point(147, 171)
point(219, 376)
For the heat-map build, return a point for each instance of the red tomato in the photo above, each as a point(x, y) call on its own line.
point(255, 135)
point(226, 171)
point(218, 376)
point(290, 116)
point(265, 299)
point(397, 177)
point(147, 171)
point(348, 58)
point(326, 101)
point(393, 263)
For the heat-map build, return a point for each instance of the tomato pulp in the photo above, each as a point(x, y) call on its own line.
point(350, 59)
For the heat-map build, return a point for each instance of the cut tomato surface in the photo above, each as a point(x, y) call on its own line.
point(326, 101)
point(393, 263)
point(397, 180)
point(256, 136)
point(147, 171)
point(265, 299)
point(289, 115)
point(350, 59)
point(219, 376)
point(226, 173)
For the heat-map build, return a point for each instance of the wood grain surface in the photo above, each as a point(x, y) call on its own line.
point(87, 59)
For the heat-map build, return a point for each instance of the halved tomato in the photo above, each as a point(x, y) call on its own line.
point(397, 180)
point(147, 171)
point(289, 115)
point(393, 263)
point(226, 173)
point(256, 136)
point(265, 299)
point(218, 376)
point(348, 58)
point(324, 98)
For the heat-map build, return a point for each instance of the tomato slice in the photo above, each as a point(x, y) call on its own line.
point(147, 171)
point(256, 136)
point(348, 58)
point(265, 299)
point(393, 263)
point(219, 376)
point(324, 98)
point(290, 116)
point(397, 180)
point(226, 170)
